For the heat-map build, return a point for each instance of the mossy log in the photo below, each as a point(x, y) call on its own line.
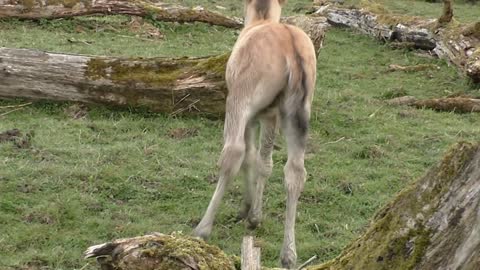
point(160, 252)
point(433, 224)
point(48, 9)
point(174, 86)
point(458, 43)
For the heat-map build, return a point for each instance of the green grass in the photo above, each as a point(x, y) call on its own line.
point(113, 36)
point(119, 173)
point(463, 11)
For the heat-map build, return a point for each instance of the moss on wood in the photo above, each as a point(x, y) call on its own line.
point(163, 252)
point(160, 72)
point(160, 84)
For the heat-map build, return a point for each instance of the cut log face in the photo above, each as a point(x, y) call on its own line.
point(43, 9)
point(434, 224)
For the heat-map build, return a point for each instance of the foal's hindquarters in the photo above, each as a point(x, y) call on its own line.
point(270, 76)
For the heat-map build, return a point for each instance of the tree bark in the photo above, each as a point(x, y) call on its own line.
point(433, 224)
point(194, 86)
point(459, 44)
point(48, 9)
point(250, 254)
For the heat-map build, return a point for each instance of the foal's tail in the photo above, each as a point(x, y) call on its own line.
point(298, 94)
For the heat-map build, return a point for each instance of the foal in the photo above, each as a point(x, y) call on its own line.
point(270, 76)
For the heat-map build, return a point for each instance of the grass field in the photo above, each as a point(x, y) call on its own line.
point(121, 173)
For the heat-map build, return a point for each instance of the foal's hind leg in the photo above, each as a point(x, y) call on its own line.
point(295, 130)
point(230, 161)
point(264, 167)
point(249, 170)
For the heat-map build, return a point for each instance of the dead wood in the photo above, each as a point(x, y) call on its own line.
point(250, 254)
point(449, 104)
point(43, 9)
point(421, 67)
point(457, 104)
point(399, 101)
point(174, 86)
point(458, 43)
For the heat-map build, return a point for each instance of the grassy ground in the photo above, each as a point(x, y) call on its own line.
point(463, 11)
point(123, 173)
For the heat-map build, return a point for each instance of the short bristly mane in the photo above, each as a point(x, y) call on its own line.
point(262, 10)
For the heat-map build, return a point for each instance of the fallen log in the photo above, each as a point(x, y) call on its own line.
point(450, 104)
point(432, 224)
point(457, 104)
point(43, 9)
point(168, 85)
point(184, 85)
point(457, 43)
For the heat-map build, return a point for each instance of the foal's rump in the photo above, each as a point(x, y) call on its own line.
point(272, 65)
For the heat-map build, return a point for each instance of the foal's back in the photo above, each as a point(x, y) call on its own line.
point(272, 62)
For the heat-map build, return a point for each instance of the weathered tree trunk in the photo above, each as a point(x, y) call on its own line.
point(47, 9)
point(188, 85)
point(174, 86)
point(460, 44)
point(434, 224)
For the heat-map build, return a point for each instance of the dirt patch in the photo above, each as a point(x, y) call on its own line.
point(35, 264)
point(76, 111)
point(19, 140)
point(9, 135)
point(39, 218)
point(182, 133)
point(144, 29)
point(370, 152)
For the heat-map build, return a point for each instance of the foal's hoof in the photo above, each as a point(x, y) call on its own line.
point(254, 219)
point(243, 213)
point(288, 258)
point(253, 222)
point(203, 233)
